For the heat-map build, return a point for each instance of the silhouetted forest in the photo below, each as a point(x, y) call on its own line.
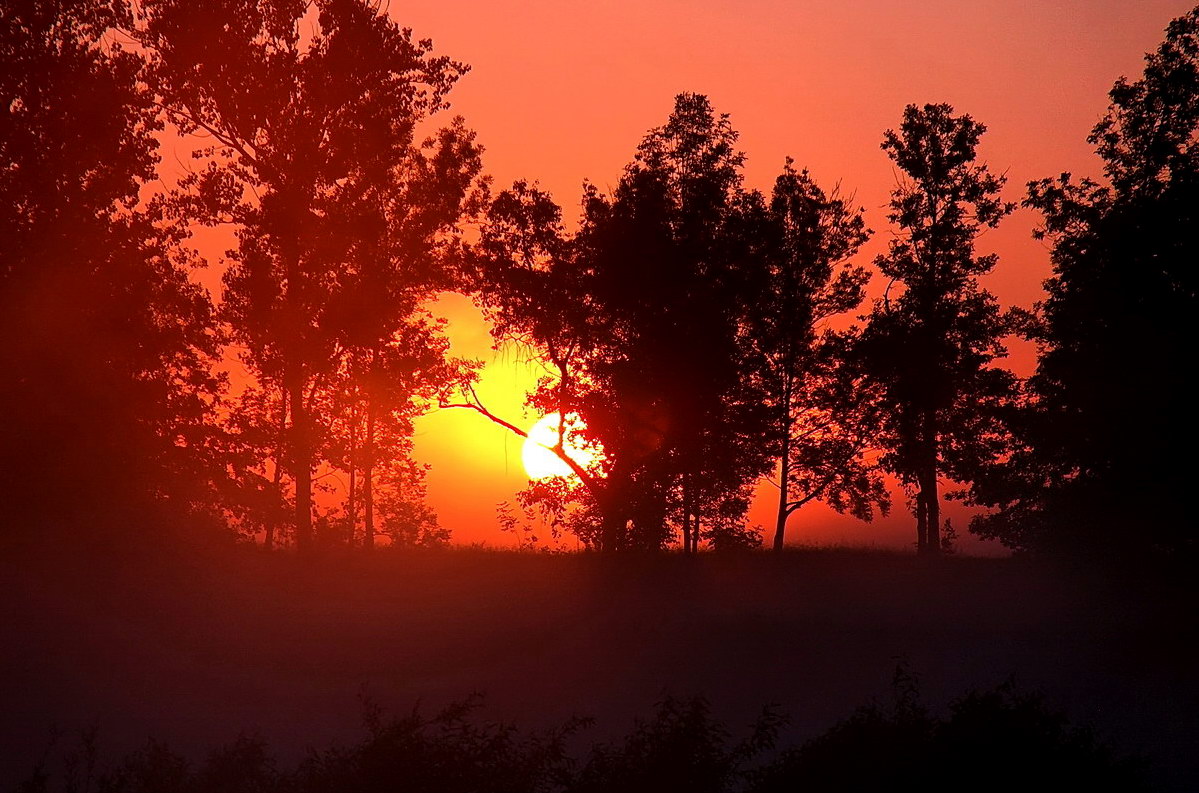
point(700, 334)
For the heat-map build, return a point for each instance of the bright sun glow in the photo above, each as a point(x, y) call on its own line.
point(539, 461)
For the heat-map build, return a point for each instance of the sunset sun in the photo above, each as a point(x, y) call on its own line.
point(542, 463)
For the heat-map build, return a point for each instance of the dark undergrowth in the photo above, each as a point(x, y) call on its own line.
point(993, 740)
point(190, 643)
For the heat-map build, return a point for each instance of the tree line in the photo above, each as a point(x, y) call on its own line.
point(698, 334)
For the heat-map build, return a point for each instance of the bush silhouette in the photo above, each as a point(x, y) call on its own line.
point(993, 740)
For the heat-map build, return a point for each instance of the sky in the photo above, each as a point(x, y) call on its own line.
point(561, 92)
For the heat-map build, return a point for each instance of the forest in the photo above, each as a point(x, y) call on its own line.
point(695, 337)
point(748, 348)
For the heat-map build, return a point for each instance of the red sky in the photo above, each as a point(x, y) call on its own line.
point(562, 91)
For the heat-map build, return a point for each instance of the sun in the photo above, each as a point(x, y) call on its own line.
point(539, 461)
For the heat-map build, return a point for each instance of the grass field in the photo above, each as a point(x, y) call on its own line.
point(193, 649)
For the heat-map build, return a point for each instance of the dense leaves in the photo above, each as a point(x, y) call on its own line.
point(108, 345)
point(933, 337)
point(638, 315)
point(822, 412)
point(1107, 454)
point(684, 323)
point(341, 208)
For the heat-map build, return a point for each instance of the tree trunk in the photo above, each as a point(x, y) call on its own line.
point(274, 509)
point(301, 454)
point(612, 518)
point(780, 526)
point(686, 510)
point(921, 519)
point(268, 540)
point(292, 211)
point(928, 485)
point(352, 496)
point(368, 472)
point(933, 510)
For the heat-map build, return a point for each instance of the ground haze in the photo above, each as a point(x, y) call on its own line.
point(194, 650)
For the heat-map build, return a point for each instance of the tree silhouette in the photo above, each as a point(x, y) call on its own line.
point(639, 317)
point(1008, 736)
point(316, 159)
point(534, 295)
point(674, 227)
point(1014, 735)
point(107, 344)
point(379, 395)
point(821, 411)
point(1102, 461)
point(930, 348)
point(256, 500)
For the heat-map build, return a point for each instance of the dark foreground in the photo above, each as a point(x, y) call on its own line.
point(193, 650)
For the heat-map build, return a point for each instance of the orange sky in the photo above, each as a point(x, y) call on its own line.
point(561, 91)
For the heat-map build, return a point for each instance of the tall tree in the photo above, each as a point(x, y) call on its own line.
point(675, 349)
point(314, 111)
point(639, 315)
point(931, 347)
point(1104, 461)
point(106, 393)
point(821, 412)
point(535, 297)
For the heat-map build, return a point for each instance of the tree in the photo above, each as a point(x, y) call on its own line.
point(380, 393)
point(534, 297)
point(313, 111)
point(930, 349)
point(107, 393)
point(678, 424)
point(639, 316)
point(821, 412)
point(1103, 444)
point(257, 501)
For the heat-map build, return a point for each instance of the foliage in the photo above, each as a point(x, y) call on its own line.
point(341, 209)
point(108, 345)
point(372, 403)
point(679, 422)
point(1103, 462)
point(821, 410)
point(931, 348)
point(655, 370)
point(990, 740)
point(681, 747)
point(684, 327)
